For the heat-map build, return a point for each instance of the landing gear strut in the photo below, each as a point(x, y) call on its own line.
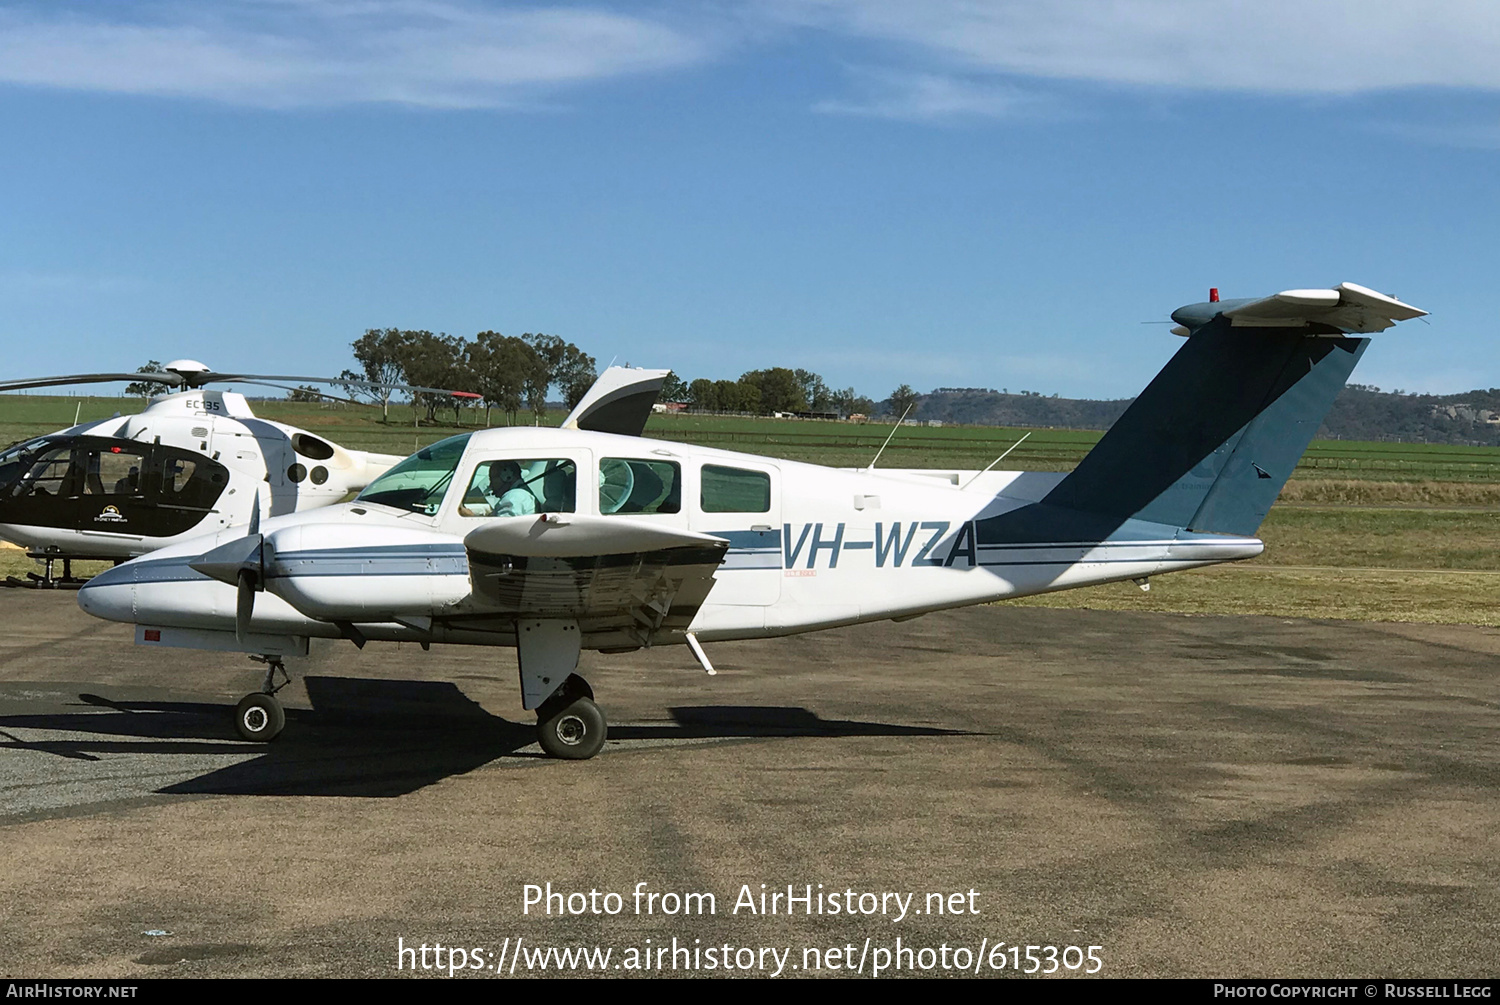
point(259, 716)
point(568, 723)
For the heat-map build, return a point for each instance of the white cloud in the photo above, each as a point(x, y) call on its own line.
point(1273, 46)
point(436, 53)
point(928, 97)
point(479, 53)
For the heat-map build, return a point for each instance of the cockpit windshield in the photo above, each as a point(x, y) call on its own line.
point(419, 483)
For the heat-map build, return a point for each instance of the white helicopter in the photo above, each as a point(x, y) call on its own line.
point(192, 462)
point(556, 540)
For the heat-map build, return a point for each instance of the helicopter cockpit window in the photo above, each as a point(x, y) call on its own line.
point(521, 487)
point(49, 474)
point(419, 483)
point(635, 486)
point(15, 460)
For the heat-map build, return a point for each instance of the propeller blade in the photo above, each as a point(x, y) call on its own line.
point(254, 529)
point(244, 603)
point(171, 379)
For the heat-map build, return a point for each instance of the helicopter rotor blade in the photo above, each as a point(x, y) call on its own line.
point(193, 379)
point(304, 390)
point(170, 379)
point(214, 377)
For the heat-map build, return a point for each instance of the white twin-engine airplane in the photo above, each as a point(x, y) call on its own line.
point(557, 540)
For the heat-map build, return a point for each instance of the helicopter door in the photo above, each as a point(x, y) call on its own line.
point(48, 492)
point(110, 485)
point(145, 490)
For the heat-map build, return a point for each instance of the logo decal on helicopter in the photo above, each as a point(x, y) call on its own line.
point(111, 514)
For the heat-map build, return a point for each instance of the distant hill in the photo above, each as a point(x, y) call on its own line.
point(1360, 412)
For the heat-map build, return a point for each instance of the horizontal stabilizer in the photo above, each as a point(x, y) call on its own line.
point(1344, 309)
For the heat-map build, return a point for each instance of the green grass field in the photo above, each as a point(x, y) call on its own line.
point(1371, 531)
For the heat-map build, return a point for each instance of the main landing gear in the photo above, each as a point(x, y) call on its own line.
point(259, 716)
point(568, 723)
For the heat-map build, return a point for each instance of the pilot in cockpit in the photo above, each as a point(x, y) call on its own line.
point(498, 489)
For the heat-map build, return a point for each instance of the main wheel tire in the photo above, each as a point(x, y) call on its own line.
point(575, 731)
point(259, 717)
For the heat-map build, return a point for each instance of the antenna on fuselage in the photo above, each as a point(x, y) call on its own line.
point(892, 436)
point(997, 460)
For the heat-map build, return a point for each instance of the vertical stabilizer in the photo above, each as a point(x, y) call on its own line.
point(1210, 442)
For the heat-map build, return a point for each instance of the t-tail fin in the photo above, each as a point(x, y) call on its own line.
point(1210, 442)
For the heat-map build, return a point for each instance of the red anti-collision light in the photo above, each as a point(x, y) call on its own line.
point(1213, 294)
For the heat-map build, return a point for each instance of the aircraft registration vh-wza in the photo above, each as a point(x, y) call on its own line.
point(591, 537)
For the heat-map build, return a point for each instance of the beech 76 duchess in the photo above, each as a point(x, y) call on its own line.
point(556, 540)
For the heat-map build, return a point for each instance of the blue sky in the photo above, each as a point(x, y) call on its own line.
point(946, 193)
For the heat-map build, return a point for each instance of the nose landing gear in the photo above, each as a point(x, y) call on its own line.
point(259, 716)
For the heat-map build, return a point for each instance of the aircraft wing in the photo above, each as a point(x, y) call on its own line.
point(619, 402)
point(1348, 307)
point(612, 575)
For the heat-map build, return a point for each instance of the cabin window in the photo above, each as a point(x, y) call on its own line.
point(627, 485)
point(114, 471)
point(311, 446)
point(735, 490)
point(519, 487)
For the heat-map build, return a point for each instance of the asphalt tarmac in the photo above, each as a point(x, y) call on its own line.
point(1195, 796)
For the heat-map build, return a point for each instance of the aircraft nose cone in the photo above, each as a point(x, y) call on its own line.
point(109, 595)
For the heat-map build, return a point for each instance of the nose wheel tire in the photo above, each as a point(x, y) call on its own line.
point(259, 717)
point(573, 730)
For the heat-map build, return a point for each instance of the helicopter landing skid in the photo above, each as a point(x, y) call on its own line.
point(47, 581)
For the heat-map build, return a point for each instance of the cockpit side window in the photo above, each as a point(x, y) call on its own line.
point(50, 474)
point(16, 461)
point(519, 487)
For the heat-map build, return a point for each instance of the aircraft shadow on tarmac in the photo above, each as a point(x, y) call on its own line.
point(377, 737)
